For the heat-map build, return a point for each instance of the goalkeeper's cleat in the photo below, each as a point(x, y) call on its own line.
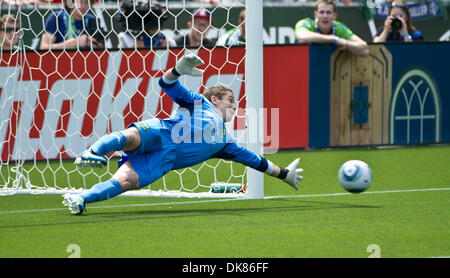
point(89, 159)
point(75, 203)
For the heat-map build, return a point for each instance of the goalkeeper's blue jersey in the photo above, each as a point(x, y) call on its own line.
point(198, 131)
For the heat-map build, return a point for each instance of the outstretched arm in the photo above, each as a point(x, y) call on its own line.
point(170, 76)
point(291, 175)
point(169, 82)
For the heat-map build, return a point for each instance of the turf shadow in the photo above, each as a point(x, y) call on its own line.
point(178, 211)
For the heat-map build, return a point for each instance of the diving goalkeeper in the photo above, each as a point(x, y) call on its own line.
point(154, 147)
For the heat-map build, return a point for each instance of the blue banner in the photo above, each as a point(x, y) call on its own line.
point(418, 10)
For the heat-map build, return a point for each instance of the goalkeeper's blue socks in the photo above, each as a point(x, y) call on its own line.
point(102, 191)
point(114, 141)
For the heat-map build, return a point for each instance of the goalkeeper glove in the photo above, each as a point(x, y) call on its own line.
point(187, 65)
point(293, 174)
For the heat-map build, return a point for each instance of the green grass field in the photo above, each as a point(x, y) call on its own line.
point(405, 213)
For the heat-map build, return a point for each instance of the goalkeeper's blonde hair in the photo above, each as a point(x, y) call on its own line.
point(218, 91)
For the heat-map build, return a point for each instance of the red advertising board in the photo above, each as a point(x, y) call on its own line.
point(56, 104)
point(286, 87)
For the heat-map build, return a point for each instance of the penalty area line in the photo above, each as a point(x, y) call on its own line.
point(231, 199)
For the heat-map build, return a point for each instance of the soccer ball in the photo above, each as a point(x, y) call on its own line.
point(355, 176)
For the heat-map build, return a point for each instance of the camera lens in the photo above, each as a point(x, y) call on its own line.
point(396, 24)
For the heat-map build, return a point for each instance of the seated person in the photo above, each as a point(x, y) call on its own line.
point(198, 30)
point(150, 36)
point(9, 32)
point(235, 36)
point(72, 28)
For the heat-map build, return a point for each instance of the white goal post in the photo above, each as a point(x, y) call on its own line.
point(56, 103)
point(254, 88)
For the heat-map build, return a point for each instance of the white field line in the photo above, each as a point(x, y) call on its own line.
point(233, 199)
point(369, 192)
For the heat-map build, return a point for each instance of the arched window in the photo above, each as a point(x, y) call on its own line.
point(415, 110)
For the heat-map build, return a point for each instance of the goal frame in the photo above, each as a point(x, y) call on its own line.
point(254, 102)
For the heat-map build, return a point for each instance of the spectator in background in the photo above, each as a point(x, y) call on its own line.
point(235, 36)
point(9, 32)
point(139, 15)
point(326, 29)
point(72, 27)
point(346, 2)
point(215, 3)
point(398, 25)
point(22, 3)
point(198, 30)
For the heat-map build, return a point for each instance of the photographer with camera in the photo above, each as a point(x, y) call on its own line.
point(141, 24)
point(73, 28)
point(398, 25)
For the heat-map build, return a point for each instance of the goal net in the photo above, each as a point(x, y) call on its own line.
point(57, 101)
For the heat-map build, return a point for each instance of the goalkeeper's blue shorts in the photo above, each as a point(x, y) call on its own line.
point(156, 155)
